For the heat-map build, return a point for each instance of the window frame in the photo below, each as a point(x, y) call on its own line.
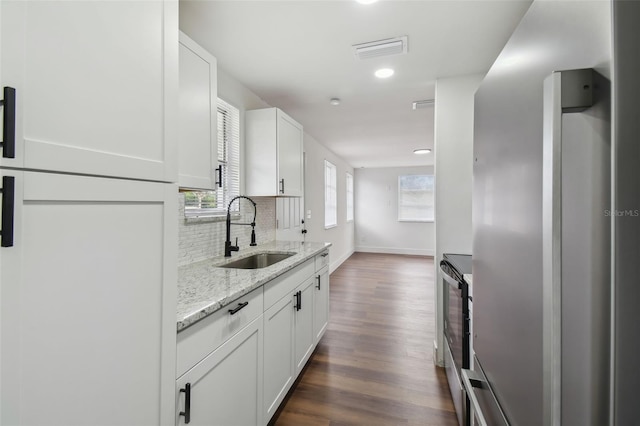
point(432, 204)
point(228, 128)
point(349, 196)
point(330, 194)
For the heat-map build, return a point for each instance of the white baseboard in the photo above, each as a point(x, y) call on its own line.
point(335, 264)
point(390, 250)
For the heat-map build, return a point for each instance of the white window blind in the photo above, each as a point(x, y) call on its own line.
point(349, 197)
point(214, 203)
point(330, 195)
point(415, 198)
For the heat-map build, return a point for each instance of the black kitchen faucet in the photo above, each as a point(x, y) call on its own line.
point(228, 248)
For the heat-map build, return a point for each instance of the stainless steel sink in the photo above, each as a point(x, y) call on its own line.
point(257, 261)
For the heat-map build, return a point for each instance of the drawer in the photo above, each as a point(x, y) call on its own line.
point(202, 338)
point(283, 285)
point(322, 260)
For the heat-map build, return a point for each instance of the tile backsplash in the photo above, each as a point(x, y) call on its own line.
point(201, 239)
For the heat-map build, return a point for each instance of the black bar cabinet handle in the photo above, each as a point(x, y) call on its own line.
point(324, 254)
point(282, 186)
point(8, 201)
point(9, 116)
point(300, 300)
point(219, 182)
point(240, 306)
point(318, 278)
point(187, 403)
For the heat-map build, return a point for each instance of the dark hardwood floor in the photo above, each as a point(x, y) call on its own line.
point(374, 364)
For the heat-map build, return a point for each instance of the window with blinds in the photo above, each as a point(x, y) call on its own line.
point(415, 198)
point(349, 197)
point(214, 203)
point(330, 195)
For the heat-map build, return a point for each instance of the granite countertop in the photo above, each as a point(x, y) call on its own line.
point(204, 287)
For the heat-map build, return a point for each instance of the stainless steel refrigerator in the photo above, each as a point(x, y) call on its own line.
point(555, 239)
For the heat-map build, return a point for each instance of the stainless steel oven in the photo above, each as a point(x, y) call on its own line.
point(457, 328)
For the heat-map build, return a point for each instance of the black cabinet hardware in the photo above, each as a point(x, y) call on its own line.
point(240, 306)
point(282, 186)
point(9, 116)
point(298, 300)
point(8, 201)
point(318, 278)
point(324, 254)
point(304, 231)
point(219, 181)
point(187, 403)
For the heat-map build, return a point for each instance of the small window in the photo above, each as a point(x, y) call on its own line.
point(214, 203)
point(349, 197)
point(415, 198)
point(330, 195)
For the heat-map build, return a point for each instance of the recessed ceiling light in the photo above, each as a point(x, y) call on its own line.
point(334, 101)
point(384, 73)
point(421, 151)
point(366, 1)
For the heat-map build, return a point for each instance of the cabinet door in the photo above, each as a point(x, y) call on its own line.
point(304, 338)
point(88, 303)
point(225, 387)
point(278, 354)
point(96, 86)
point(321, 304)
point(290, 148)
point(198, 116)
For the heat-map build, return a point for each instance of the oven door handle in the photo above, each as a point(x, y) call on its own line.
point(449, 279)
point(471, 380)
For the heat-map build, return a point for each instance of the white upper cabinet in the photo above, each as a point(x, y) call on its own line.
point(96, 86)
point(274, 147)
point(198, 142)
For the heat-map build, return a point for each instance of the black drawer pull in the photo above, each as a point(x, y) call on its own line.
point(236, 309)
point(324, 254)
point(8, 201)
point(187, 403)
point(318, 278)
point(9, 119)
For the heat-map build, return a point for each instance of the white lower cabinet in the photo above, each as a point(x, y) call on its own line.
point(244, 380)
point(278, 354)
point(304, 338)
point(225, 388)
point(321, 304)
point(87, 313)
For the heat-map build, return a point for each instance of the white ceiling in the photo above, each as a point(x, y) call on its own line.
point(296, 55)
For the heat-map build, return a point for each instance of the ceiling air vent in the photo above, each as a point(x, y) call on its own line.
point(423, 104)
point(374, 49)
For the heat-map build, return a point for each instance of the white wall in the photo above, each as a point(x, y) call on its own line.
point(377, 228)
point(341, 236)
point(454, 176)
